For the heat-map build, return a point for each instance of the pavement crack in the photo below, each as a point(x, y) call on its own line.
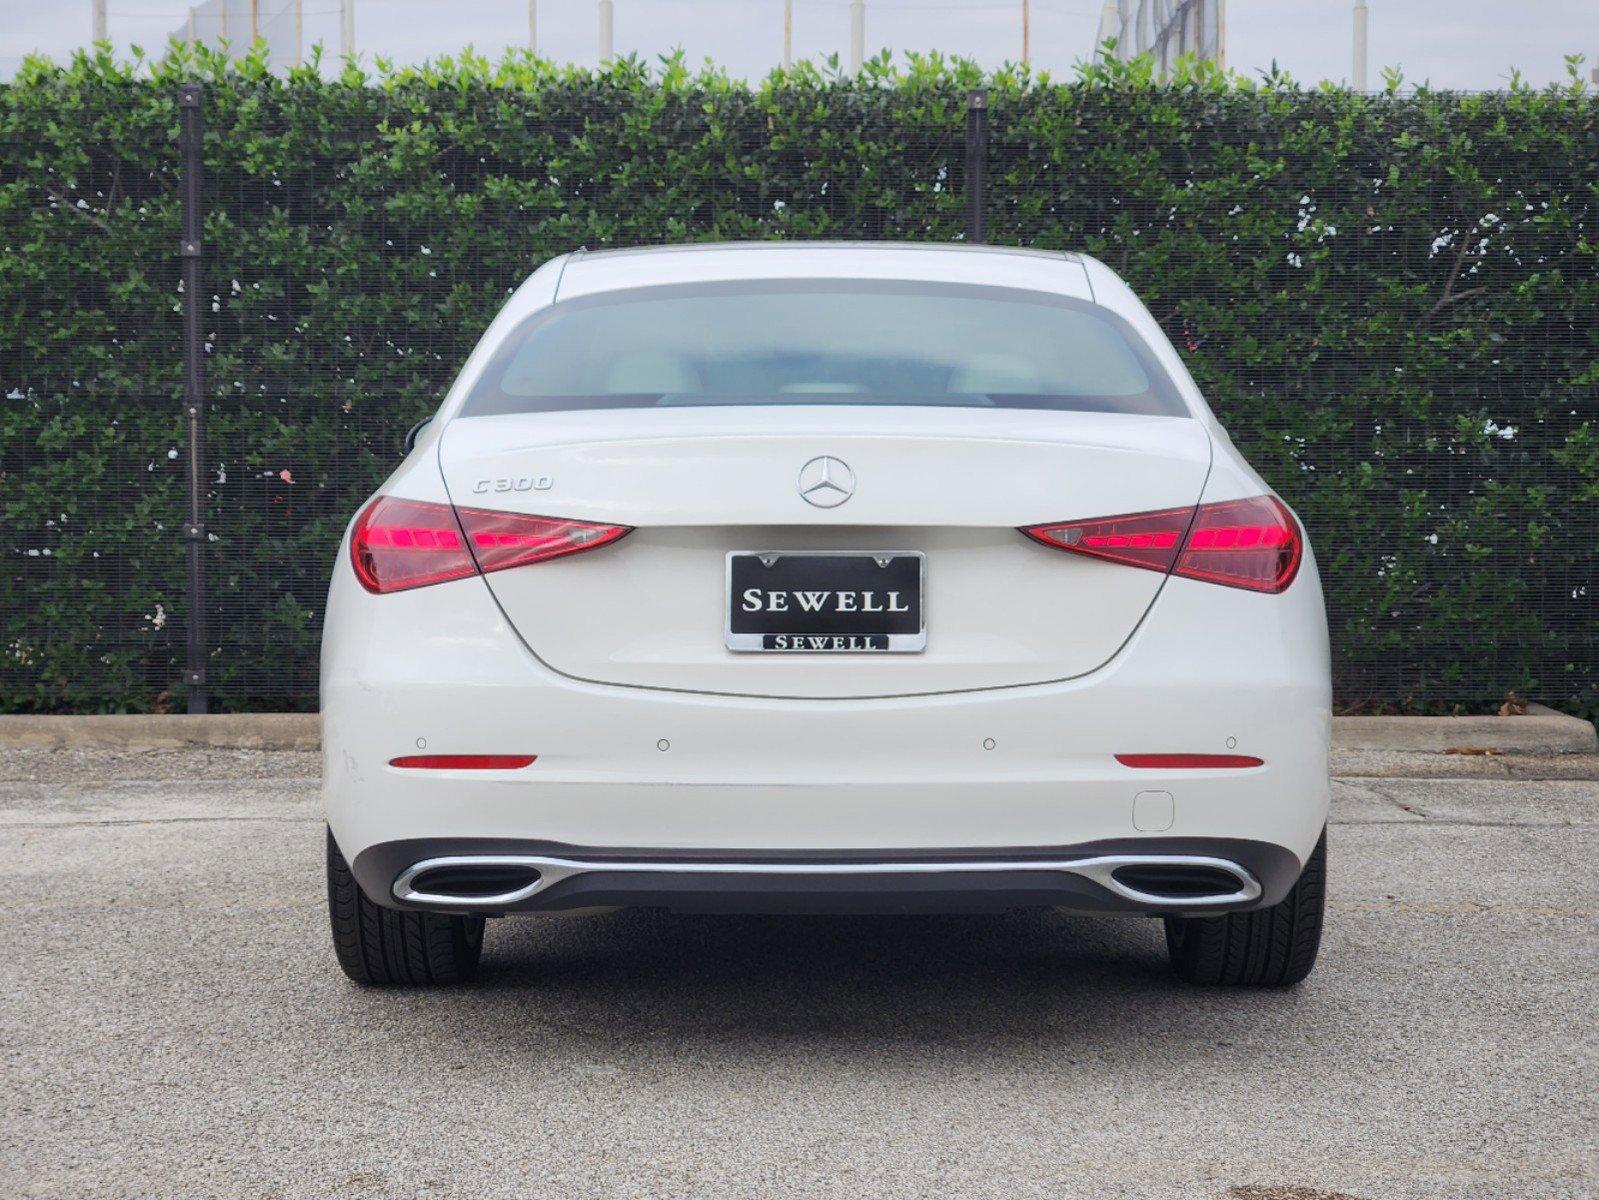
point(1382, 794)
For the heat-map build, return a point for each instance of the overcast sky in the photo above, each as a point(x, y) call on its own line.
point(1451, 43)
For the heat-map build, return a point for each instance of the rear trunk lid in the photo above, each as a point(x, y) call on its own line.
point(698, 484)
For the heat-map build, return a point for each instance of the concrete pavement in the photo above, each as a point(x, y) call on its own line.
point(174, 1025)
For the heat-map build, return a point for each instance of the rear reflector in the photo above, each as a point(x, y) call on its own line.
point(1253, 544)
point(463, 762)
point(398, 544)
point(1183, 762)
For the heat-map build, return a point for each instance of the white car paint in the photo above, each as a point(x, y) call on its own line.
point(955, 483)
point(650, 734)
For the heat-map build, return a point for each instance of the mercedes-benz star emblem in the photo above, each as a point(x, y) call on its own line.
point(826, 482)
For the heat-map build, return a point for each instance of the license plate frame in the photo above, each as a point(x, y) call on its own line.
point(846, 637)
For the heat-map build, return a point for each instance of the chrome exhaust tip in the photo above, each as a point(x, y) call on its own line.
point(469, 881)
point(1182, 882)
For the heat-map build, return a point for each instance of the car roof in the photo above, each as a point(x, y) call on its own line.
point(586, 272)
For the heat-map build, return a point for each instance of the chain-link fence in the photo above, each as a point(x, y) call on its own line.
point(1389, 301)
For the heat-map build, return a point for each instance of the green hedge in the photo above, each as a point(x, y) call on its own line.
point(1391, 300)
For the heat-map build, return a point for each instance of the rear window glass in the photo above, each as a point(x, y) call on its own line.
point(824, 342)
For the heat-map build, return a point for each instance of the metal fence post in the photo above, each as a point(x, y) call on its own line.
point(977, 165)
point(191, 130)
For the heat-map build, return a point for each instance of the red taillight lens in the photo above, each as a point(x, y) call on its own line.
point(463, 762)
point(398, 544)
point(499, 540)
point(1253, 544)
point(1139, 539)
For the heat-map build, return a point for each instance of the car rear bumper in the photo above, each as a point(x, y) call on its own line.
point(494, 877)
point(1018, 773)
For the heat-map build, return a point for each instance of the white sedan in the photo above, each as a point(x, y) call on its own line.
point(825, 578)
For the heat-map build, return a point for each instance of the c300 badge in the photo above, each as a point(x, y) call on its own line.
point(516, 483)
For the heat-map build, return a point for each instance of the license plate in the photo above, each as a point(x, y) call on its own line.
point(826, 602)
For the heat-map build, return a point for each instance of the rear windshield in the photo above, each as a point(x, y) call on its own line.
point(824, 342)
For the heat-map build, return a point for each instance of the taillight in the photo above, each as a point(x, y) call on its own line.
point(499, 540)
point(1139, 539)
point(398, 544)
point(1253, 544)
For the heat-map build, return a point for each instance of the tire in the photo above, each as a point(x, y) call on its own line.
point(1270, 947)
point(379, 946)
